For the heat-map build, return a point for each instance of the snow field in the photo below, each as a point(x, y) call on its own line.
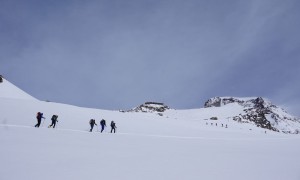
point(176, 146)
point(31, 153)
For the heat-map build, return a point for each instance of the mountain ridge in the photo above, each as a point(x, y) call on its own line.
point(260, 111)
point(255, 111)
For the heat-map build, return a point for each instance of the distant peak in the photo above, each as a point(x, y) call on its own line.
point(260, 111)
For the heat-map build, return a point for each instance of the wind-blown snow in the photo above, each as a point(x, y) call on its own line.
point(181, 144)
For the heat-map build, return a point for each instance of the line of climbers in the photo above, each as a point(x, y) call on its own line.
point(92, 122)
point(103, 125)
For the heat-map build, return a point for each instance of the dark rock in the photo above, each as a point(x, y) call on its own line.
point(213, 102)
point(151, 107)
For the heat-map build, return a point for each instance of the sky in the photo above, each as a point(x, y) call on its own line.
point(116, 54)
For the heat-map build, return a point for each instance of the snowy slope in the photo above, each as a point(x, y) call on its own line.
point(180, 144)
point(8, 90)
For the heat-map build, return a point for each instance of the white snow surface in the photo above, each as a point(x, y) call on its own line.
point(8, 90)
point(179, 145)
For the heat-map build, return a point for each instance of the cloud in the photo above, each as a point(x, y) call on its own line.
point(117, 54)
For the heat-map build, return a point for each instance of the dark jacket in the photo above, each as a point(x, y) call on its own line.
point(54, 118)
point(102, 122)
point(113, 124)
point(92, 122)
point(39, 115)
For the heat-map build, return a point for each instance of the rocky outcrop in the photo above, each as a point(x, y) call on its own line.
point(150, 107)
point(213, 102)
point(259, 111)
point(220, 101)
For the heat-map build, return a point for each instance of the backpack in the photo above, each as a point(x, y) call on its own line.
point(113, 124)
point(92, 121)
point(54, 117)
point(39, 115)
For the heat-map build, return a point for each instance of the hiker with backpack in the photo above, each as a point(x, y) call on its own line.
point(92, 123)
point(39, 117)
point(113, 127)
point(103, 124)
point(54, 120)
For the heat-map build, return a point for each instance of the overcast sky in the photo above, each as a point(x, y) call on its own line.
point(116, 54)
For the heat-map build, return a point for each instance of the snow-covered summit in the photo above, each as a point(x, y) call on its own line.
point(8, 90)
point(259, 111)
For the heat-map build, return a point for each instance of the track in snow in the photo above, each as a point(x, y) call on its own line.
point(149, 135)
